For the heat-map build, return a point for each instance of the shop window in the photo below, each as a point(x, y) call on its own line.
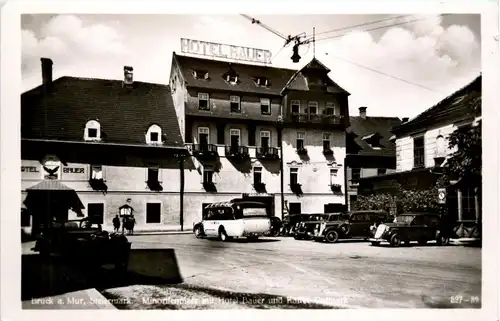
point(95, 212)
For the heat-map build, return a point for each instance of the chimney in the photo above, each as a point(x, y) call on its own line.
point(362, 112)
point(46, 72)
point(128, 76)
point(405, 119)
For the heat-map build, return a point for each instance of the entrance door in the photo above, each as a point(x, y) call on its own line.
point(96, 212)
point(334, 208)
point(203, 138)
point(235, 140)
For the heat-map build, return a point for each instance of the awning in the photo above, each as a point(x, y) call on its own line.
point(53, 192)
point(49, 185)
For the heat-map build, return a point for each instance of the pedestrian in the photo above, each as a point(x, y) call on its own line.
point(116, 223)
point(132, 224)
point(124, 223)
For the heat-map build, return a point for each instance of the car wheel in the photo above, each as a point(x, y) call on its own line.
point(407, 242)
point(222, 235)
point(198, 232)
point(422, 242)
point(395, 240)
point(375, 243)
point(332, 236)
point(441, 240)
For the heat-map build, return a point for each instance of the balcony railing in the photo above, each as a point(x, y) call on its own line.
point(267, 153)
point(203, 150)
point(237, 151)
point(315, 118)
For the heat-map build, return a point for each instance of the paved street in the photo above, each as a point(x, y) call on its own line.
point(347, 274)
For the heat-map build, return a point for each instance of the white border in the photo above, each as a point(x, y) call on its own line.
point(10, 147)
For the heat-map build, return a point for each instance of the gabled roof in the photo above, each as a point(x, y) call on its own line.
point(247, 73)
point(124, 114)
point(446, 107)
point(362, 129)
point(299, 80)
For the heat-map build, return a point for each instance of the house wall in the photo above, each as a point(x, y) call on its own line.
point(178, 90)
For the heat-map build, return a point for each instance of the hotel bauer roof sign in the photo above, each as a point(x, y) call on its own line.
point(218, 50)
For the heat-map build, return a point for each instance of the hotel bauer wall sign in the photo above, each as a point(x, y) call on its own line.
point(219, 50)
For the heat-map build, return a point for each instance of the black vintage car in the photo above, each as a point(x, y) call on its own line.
point(83, 242)
point(290, 223)
point(307, 228)
point(420, 227)
point(350, 225)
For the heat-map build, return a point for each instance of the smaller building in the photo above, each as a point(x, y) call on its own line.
point(370, 151)
point(422, 150)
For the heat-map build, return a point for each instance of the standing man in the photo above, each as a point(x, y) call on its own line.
point(124, 223)
point(132, 224)
point(116, 223)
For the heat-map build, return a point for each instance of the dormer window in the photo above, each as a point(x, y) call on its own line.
point(153, 136)
point(262, 81)
point(373, 140)
point(200, 74)
point(231, 77)
point(92, 130)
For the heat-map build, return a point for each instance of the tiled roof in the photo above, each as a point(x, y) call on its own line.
point(447, 105)
point(299, 82)
point(278, 77)
point(361, 128)
point(125, 114)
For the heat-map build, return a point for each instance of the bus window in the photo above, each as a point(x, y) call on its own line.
point(254, 212)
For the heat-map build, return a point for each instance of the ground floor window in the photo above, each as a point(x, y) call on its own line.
point(295, 208)
point(153, 213)
point(352, 201)
point(95, 212)
point(468, 204)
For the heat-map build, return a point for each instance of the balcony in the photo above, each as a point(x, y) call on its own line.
point(315, 118)
point(204, 150)
point(267, 153)
point(239, 152)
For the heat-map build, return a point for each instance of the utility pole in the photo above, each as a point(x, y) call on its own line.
point(314, 42)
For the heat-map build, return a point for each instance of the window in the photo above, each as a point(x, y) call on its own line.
point(300, 140)
point(294, 176)
point(208, 175)
point(203, 135)
point(312, 107)
point(153, 213)
point(262, 81)
point(92, 130)
point(326, 141)
point(265, 106)
point(231, 78)
point(96, 172)
point(235, 137)
point(203, 101)
point(333, 174)
point(295, 106)
point(381, 171)
point(95, 212)
point(468, 204)
point(257, 175)
point(295, 208)
point(153, 134)
point(265, 138)
point(330, 108)
point(200, 74)
point(153, 175)
point(440, 146)
point(352, 200)
point(418, 152)
point(235, 104)
point(355, 173)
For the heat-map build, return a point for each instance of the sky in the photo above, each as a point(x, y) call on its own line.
point(405, 66)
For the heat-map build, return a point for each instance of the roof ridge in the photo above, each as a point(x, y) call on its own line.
point(235, 63)
point(111, 80)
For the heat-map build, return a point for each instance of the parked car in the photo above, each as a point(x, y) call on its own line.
point(306, 229)
point(236, 218)
point(84, 242)
point(355, 224)
point(290, 223)
point(420, 227)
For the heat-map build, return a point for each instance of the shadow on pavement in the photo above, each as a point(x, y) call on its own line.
point(243, 240)
point(50, 276)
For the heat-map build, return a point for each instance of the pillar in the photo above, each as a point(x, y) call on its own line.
point(459, 207)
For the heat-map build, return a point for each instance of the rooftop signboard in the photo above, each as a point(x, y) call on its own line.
point(218, 50)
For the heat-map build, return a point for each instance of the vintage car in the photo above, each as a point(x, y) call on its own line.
point(305, 229)
point(236, 218)
point(349, 225)
point(291, 222)
point(83, 242)
point(420, 227)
